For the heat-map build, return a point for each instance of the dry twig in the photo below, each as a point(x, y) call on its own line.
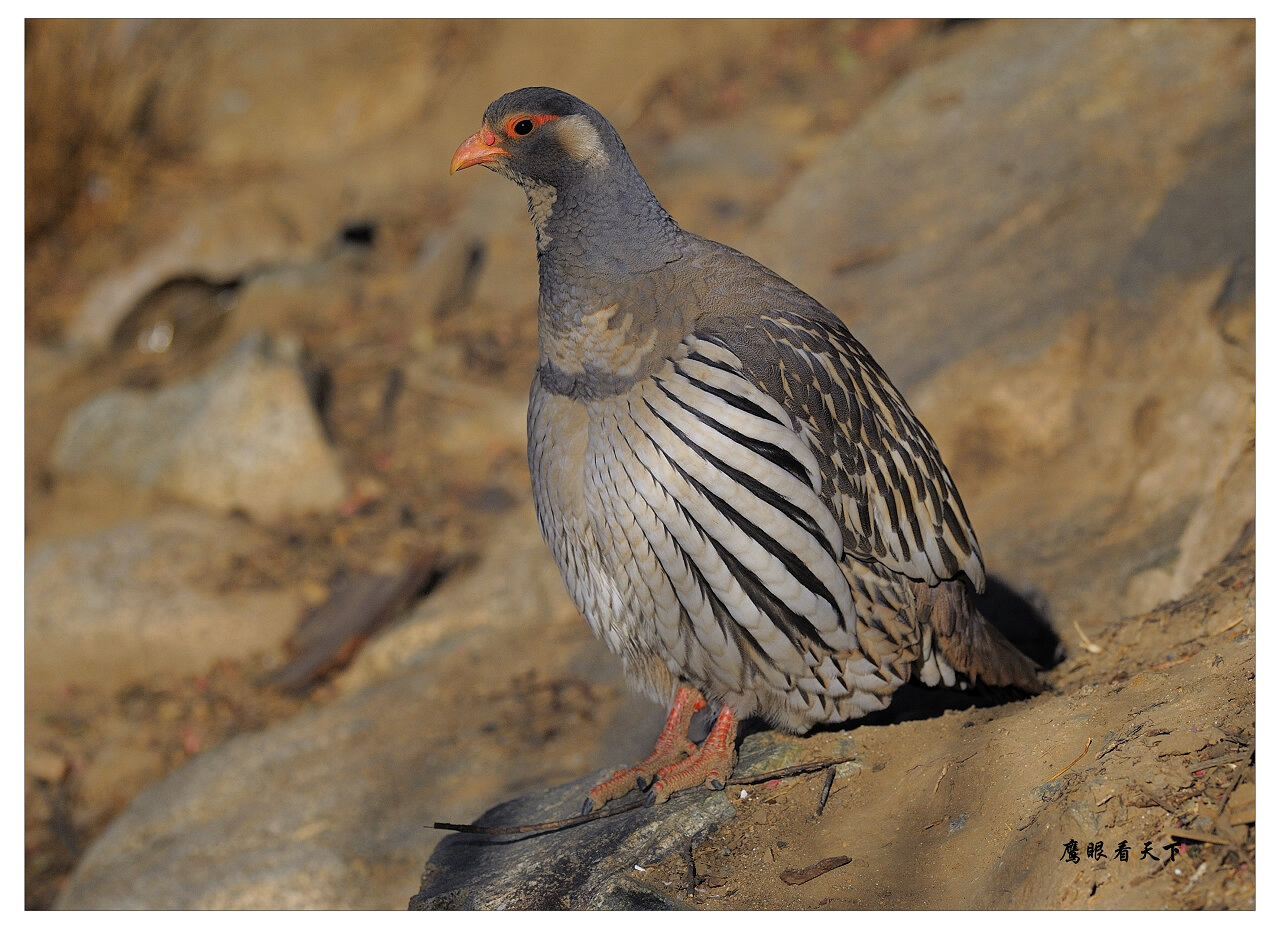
point(1073, 763)
point(1119, 740)
point(1165, 665)
point(540, 826)
point(796, 877)
point(1088, 645)
point(826, 790)
point(607, 812)
point(946, 767)
point(1227, 628)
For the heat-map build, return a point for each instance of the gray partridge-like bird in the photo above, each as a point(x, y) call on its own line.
point(742, 505)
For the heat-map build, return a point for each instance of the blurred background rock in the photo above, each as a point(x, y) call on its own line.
point(273, 353)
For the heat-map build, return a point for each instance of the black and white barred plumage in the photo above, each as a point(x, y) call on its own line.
point(739, 500)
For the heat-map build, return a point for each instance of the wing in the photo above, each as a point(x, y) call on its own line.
point(882, 475)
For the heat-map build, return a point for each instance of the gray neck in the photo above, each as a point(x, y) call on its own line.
point(597, 234)
point(602, 247)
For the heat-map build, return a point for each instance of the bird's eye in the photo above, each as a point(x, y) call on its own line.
point(523, 125)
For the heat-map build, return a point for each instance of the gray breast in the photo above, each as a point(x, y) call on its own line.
point(695, 539)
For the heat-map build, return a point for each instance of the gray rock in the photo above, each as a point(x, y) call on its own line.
point(332, 808)
point(242, 436)
point(1059, 278)
point(123, 604)
point(988, 196)
point(589, 865)
point(585, 867)
point(215, 240)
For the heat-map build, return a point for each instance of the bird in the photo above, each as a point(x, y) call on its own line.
point(741, 504)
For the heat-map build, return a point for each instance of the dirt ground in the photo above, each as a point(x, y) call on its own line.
point(1131, 771)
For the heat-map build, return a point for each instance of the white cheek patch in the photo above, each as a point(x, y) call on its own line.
point(581, 140)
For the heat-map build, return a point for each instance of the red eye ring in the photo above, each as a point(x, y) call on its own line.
point(518, 126)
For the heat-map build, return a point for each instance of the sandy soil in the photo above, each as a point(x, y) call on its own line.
point(1027, 805)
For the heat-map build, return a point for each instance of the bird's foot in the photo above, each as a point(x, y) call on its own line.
point(673, 745)
point(712, 763)
point(625, 780)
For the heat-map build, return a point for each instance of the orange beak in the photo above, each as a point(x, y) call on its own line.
point(477, 149)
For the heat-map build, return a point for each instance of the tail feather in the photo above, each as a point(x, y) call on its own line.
point(971, 644)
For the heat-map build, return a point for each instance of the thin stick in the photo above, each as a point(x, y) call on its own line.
point(1234, 783)
point(1204, 837)
point(630, 806)
point(1229, 759)
point(1227, 628)
point(1226, 830)
point(1120, 740)
point(1165, 665)
point(541, 826)
point(826, 790)
point(1073, 763)
point(785, 772)
point(827, 864)
point(1088, 645)
point(1160, 802)
point(947, 766)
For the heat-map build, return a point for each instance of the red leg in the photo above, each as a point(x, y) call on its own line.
point(712, 763)
point(673, 744)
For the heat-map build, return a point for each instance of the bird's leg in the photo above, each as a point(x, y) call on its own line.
point(712, 763)
point(673, 744)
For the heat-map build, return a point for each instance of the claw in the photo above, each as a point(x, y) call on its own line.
point(673, 744)
point(589, 806)
point(703, 767)
point(676, 763)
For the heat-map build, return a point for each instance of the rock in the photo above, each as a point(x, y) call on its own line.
point(1214, 526)
point(588, 867)
point(127, 602)
point(206, 241)
point(1060, 282)
point(716, 177)
point(496, 221)
point(330, 809)
point(212, 93)
point(242, 436)
point(592, 865)
point(988, 196)
point(990, 790)
point(45, 368)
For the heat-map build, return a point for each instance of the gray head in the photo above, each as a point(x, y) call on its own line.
point(543, 136)
point(589, 204)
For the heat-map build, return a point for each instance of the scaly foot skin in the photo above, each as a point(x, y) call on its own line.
point(711, 764)
point(673, 745)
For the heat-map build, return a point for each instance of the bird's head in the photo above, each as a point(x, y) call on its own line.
point(539, 136)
